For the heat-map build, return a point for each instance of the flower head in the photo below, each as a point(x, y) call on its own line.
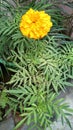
point(35, 24)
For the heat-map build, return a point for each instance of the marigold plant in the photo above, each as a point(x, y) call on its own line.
point(35, 24)
point(35, 71)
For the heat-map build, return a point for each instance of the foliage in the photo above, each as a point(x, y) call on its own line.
point(43, 63)
point(39, 105)
point(41, 72)
point(3, 99)
point(3, 102)
point(10, 35)
point(40, 68)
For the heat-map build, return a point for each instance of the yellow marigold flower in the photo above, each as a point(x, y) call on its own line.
point(35, 24)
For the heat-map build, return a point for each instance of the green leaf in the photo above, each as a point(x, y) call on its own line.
point(68, 84)
point(20, 123)
point(68, 122)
